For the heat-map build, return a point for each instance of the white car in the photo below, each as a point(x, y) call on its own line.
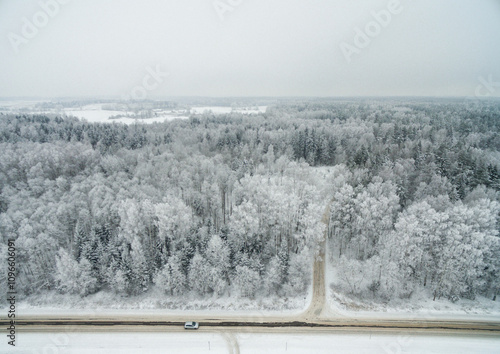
point(191, 325)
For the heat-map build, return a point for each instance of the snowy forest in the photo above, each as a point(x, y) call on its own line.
point(233, 204)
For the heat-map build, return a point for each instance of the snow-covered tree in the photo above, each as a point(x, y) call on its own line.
point(199, 272)
point(247, 280)
point(170, 279)
point(74, 277)
point(217, 257)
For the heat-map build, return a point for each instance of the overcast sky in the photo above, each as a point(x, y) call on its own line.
point(250, 48)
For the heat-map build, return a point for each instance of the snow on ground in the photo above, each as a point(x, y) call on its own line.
point(153, 302)
point(223, 110)
point(419, 306)
point(93, 113)
point(123, 343)
point(102, 116)
point(366, 343)
point(201, 341)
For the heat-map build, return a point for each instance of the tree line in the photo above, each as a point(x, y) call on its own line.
point(222, 204)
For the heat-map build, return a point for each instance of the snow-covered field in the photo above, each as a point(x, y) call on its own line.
point(102, 116)
point(202, 341)
point(223, 110)
point(93, 113)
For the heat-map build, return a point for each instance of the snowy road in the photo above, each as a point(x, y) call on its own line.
point(258, 324)
point(318, 308)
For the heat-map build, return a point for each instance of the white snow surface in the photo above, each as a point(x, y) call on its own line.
point(93, 113)
point(207, 341)
point(225, 109)
point(155, 303)
point(102, 116)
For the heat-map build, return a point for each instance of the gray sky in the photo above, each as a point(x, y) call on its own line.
point(250, 48)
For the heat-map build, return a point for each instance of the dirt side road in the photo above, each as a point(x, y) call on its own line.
point(318, 301)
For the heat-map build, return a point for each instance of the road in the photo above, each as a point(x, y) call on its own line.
point(318, 303)
point(248, 324)
point(318, 316)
